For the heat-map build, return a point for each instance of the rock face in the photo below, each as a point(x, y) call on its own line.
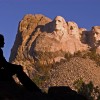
point(66, 73)
point(29, 29)
point(37, 33)
point(40, 39)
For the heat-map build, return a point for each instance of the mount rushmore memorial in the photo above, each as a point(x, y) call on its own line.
point(37, 33)
point(40, 39)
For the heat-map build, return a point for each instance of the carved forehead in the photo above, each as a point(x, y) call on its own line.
point(59, 18)
point(72, 23)
point(96, 29)
point(83, 29)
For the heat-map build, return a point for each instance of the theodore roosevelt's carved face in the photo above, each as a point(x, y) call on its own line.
point(59, 23)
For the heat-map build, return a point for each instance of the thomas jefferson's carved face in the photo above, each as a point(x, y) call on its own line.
point(73, 29)
point(58, 23)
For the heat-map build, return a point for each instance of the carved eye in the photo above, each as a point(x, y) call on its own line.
point(96, 33)
point(59, 20)
point(71, 28)
point(98, 27)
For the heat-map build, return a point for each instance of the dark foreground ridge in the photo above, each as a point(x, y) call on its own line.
point(10, 90)
point(13, 91)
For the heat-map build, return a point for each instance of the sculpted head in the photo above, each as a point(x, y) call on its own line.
point(59, 23)
point(60, 31)
point(82, 33)
point(96, 33)
point(73, 29)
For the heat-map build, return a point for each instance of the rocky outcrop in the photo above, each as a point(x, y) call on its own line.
point(12, 91)
point(43, 41)
point(29, 29)
point(67, 72)
point(37, 34)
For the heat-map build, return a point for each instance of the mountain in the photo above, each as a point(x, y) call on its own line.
point(57, 52)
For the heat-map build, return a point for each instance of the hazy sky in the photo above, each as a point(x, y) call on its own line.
point(86, 13)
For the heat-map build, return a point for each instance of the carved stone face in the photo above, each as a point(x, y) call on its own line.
point(73, 29)
point(97, 36)
point(96, 33)
point(59, 23)
point(82, 33)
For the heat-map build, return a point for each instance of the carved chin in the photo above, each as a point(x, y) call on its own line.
point(97, 38)
point(97, 41)
point(58, 29)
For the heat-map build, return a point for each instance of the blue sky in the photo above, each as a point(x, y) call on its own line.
point(86, 13)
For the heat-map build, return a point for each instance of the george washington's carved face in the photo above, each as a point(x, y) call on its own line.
point(60, 31)
point(59, 23)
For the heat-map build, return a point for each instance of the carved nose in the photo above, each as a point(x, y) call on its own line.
point(71, 28)
point(95, 35)
point(56, 22)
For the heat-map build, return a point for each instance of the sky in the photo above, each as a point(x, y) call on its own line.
point(86, 13)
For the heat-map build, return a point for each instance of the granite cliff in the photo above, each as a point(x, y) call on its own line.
point(41, 42)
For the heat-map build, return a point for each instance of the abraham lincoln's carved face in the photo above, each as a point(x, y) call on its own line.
point(97, 36)
point(58, 23)
point(96, 31)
